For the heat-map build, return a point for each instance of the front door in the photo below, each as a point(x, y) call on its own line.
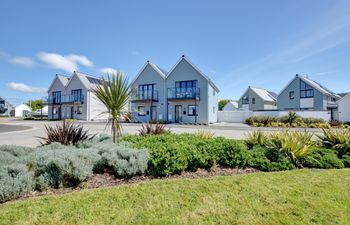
point(153, 112)
point(72, 112)
point(178, 114)
point(59, 113)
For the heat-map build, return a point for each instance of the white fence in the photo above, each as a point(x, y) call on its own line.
point(241, 116)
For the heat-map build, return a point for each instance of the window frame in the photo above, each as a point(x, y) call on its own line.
point(290, 95)
point(144, 110)
point(306, 91)
point(253, 101)
point(194, 112)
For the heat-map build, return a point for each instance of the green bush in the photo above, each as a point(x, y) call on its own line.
point(324, 159)
point(173, 154)
point(15, 180)
point(255, 138)
point(264, 159)
point(337, 139)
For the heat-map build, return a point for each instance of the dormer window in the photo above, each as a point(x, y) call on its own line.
point(306, 91)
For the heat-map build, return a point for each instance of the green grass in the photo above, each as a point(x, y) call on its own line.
point(291, 197)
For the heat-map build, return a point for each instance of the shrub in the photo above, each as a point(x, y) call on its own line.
point(63, 167)
point(233, 154)
point(296, 145)
point(264, 159)
point(121, 160)
point(255, 138)
point(15, 180)
point(335, 123)
point(150, 129)
point(67, 133)
point(338, 140)
point(205, 134)
point(346, 160)
point(173, 154)
point(324, 159)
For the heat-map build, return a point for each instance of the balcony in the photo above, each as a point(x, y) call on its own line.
point(179, 94)
point(65, 99)
point(145, 96)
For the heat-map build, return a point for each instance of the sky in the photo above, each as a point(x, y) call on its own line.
point(236, 43)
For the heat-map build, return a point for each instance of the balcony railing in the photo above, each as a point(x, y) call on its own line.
point(65, 99)
point(147, 95)
point(183, 93)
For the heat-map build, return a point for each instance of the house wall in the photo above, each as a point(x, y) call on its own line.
point(213, 104)
point(230, 107)
point(97, 110)
point(75, 83)
point(22, 110)
point(344, 108)
point(56, 86)
point(318, 102)
point(150, 76)
point(260, 104)
point(184, 72)
point(9, 108)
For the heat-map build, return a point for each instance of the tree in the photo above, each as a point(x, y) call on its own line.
point(222, 103)
point(35, 104)
point(114, 92)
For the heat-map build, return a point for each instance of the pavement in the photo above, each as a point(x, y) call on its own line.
point(26, 132)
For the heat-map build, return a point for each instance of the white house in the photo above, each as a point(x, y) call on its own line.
point(72, 98)
point(231, 106)
point(22, 110)
point(344, 108)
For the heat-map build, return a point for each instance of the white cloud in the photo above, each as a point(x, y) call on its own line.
point(108, 70)
point(25, 88)
point(68, 63)
point(80, 59)
point(22, 61)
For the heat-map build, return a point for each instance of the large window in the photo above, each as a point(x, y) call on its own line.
point(56, 96)
point(146, 91)
point(306, 91)
point(77, 95)
point(192, 110)
point(188, 87)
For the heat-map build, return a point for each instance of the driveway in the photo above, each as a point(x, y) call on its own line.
point(26, 132)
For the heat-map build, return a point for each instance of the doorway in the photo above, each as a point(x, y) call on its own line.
point(178, 113)
point(153, 112)
point(71, 112)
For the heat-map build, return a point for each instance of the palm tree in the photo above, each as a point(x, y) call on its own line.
point(114, 92)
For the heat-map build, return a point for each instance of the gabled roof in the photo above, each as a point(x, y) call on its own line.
point(344, 97)
point(162, 73)
point(62, 78)
point(87, 80)
point(265, 95)
point(194, 67)
point(313, 84)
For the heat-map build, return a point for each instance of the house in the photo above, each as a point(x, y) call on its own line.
point(302, 93)
point(22, 110)
point(344, 108)
point(182, 95)
point(6, 108)
point(231, 106)
point(256, 99)
point(72, 98)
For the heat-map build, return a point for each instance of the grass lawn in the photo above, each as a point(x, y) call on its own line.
point(291, 197)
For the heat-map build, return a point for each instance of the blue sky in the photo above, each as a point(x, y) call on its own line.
point(236, 43)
